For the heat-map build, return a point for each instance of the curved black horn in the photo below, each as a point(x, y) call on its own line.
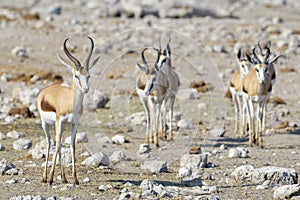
point(72, 58)
point(255, 56)
point(87, 60)
point(160, 43)
point(143, 57)
point(260, 49)
point(275, 59)
point(267, 55)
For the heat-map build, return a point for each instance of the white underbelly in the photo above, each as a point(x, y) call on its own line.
point(257, 98)
point(50, 117)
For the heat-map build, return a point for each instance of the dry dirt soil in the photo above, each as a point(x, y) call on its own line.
point(192, 42)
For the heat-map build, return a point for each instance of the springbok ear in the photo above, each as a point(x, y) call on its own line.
point(239, 54)
point(249, 59)
point(94, 63)
point(65, 63)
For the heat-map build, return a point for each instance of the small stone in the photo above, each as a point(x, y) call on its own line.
point(118, 139)
point(102, 188)
point(117, 156)
point(287, 191)
point(144, 148)
point(186, 124)
point(22, 144)
point(97, 159)
point(195, 150)
point(86, 180)
point(2, 148)
point(238, 152)
point(193, 161)
point(12, 181)
point(155, 166)
point(14, 134)
point(81, 137)
point(19, 51)
point(223, 147)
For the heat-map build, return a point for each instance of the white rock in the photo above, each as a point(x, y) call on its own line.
point(184, 172)
point(81, 137)
point(187, 94)
point(22, 144)
point(155, 166)
point(96, 160)
point(118, 139)
point(238, 152)
point(2, 148)
point(117, 156)
point(5, 166)
point(193, 161)
point(95, 100)
point(278, 175)
point(287, 191)
point(19, 51)
point(185, 123)
point(14, 134)
point(144, 148)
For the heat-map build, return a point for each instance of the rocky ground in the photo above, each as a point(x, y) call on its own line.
point(112, 161)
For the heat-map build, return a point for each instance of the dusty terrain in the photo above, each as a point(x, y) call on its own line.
point(203, 48)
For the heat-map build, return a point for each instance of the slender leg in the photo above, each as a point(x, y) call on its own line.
point(251, 123)
point(57, 138)
point(172, 100)
point(258, 123)
point(236, 108)
point(163, 127)
point(72, 147)
point(144, 102)
point(157, 115)
point(46, 131)
point(246, 103)
point(261, 116)
point(63, 175)
point(265, 115)
point(244, 123)
point(152, 121)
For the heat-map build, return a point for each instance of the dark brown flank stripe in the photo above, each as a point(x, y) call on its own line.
point(46, 106)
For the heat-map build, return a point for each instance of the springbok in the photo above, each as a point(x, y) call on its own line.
point(257, 86)
point(266, 56)
point(165, 65)
point(151, 87)
point(59, 104)
point(236, 89)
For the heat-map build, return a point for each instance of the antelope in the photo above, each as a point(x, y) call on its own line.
point(151, 87)
point(236, 92)
point(265, 56)
point(165, 65)
point(256, 88)
point(59, 104)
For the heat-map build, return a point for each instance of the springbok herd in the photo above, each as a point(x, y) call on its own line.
point(156, 84)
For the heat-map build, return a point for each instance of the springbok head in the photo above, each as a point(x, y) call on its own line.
point(244, 63)
point(164, 56)
point(262, 66)
point(80, 72)
point(150, 72)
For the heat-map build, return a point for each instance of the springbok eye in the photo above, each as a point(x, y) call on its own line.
point(257, 70)
point(265, 70)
